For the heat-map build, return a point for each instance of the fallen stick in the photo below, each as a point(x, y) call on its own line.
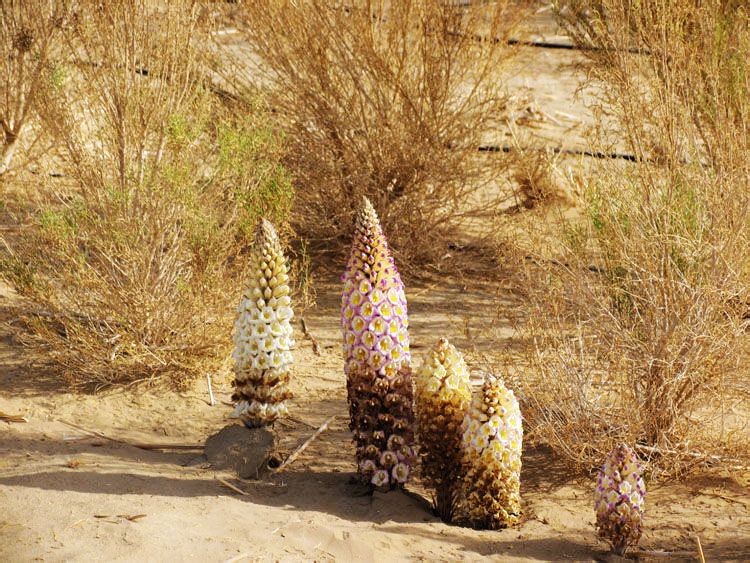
point(315, 345)
point(654, 553)
point(132, 517)
point(306, 443)
point(139, 445)
point(12, 417)
point(568, 116)
point(230, 486)
point(700, 548)
point(210, 390)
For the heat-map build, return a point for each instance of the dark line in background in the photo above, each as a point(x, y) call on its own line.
point(560, 150)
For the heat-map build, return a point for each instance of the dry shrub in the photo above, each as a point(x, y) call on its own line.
point(639, 325)
point(388, 100)
point(140, 259)
point(29, 37)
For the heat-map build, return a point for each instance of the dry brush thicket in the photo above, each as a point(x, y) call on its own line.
point(139, 257)
point(639, 327)
point(29, 38)
point(388, 100)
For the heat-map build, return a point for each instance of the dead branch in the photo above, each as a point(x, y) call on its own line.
point(12, 418)
point(306, 443)
point(315, 345)
point(229, 485)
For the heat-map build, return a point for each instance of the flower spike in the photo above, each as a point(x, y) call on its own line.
point(492, 438)
point(619, 499)
point(443, 394)
point(376, 352)
point(263, 335)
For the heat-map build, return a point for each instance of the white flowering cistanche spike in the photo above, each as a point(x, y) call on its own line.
point(619, 499)
point(491, 443)
point(263, 335)
point(376, 352)
point(443, 395)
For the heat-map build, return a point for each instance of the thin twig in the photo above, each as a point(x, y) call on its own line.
point(210, 390)
point(12, 417)
point(307, 442)
point(141, 445)
point(696, 455)
point(230, 486)
point(700, 548)
point(315, 345)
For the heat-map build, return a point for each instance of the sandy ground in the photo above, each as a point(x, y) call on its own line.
point(66, 495)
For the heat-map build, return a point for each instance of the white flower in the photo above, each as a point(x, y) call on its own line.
point(439, 371)
point(432, 385)
point(285, 313)
point(400, 472)
point(380, 478)
point(259, 330)
point(268, 315)
point(276, 360)
point(268, 344)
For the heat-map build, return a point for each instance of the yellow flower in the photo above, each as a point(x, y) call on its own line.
point(378, 325)
point(365, 287)
point(358, 324)
point(377, 296)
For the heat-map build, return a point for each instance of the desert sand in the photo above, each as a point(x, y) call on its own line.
point(67, 495)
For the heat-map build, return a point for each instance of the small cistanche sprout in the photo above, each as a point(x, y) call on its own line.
point(619, 499)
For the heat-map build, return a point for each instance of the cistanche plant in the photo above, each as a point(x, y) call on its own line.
point(491, 442)
point(443, 395)
point(263, 335)
point(376, 351)
point(619, 499)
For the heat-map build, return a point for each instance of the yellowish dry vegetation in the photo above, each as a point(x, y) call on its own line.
point(388, 100)
point(639, 327)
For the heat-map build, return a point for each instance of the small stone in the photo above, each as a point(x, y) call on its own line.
point(243, 450)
